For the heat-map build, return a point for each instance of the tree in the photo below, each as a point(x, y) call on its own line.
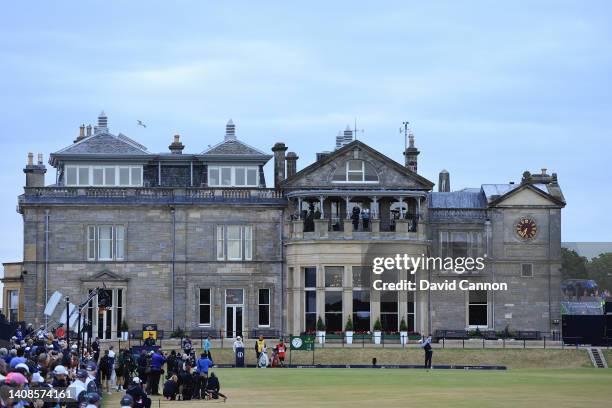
point(573, 266)
point(600, 270)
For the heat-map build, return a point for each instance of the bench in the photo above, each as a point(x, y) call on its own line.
point(451, 334)
point(202, 333)
point(528, 335)
point(266, 333)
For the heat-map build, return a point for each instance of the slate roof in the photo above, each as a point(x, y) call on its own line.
point(105, 143)
point(466, 198)
point(233, 147)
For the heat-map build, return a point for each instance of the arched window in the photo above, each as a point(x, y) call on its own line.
point(356, 171)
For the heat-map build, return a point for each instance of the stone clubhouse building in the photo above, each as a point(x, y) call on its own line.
point(198, 240)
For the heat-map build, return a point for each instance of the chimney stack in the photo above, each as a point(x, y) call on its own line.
point(81, 134)
point(411, 154)
point(35, 173)
point(291, 164)
point(444, 182)
point(102, 123)
point(279, 150)
point(230, 130)
point(176, 147)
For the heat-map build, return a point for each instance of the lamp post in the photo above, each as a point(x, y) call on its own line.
point(67, 320)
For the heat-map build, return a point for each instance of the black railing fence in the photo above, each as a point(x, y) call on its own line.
point(222, 339)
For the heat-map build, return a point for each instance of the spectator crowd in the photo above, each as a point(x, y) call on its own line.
point(45, 360)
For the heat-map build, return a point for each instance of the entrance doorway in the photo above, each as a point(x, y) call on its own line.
point(234, 309)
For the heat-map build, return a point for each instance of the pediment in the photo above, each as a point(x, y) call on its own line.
point(527, 196)
point(389, 173)
point(105, 276)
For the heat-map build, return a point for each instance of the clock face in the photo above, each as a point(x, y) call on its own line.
point(526, 228)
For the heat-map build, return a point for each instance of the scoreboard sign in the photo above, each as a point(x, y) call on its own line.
point(302, 343)
point(149, 330)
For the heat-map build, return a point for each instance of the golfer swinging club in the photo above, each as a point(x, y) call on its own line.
point(426, 345)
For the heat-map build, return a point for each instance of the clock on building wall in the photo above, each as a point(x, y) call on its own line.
point(526, 228)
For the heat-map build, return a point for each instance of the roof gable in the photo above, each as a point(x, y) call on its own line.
point(527, 195)
point(390, 173)
point(104, 143)
point(233, 147)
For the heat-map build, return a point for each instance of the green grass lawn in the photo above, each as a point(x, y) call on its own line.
point(550, 388)
point(512, 358)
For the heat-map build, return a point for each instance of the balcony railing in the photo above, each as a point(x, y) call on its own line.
point(146, 194)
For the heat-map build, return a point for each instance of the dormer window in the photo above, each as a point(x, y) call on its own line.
point(233, 176)
point(356, 171)
point(103, 176)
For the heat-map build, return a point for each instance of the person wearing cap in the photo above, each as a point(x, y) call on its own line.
point(238, 343)
point(127, 401)
point(93, 382)
point(60, 377)
point(187, 345)
point(157, 361)
point(93, 400)
point(138, 394)
point(79, 385)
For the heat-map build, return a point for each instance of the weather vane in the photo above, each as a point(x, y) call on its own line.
point(355, 130)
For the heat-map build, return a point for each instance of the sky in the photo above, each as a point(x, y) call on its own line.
point(490, 89)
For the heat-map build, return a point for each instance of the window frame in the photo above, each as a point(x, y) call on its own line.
point(469, 304)
point(92, 168)
point(9, 308)
point(348, 172)
point(209, 304)
point(531, 274)
point(115, 244)
point(260, 305)
point(245, 242)
point(233, 172)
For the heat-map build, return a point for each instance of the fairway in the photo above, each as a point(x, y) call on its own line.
point(407, 387)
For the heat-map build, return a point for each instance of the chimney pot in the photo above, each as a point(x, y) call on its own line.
point(291, 164)
point(544, 171)
point(30, 159)
point(88, 130)
point(40, 158)
point(230, 130)
point(279, 150)
point(176, 147)
point(444, 182)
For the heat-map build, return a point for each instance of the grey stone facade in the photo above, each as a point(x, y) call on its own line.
point(170, 227)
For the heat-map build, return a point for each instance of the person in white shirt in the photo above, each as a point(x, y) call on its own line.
point(238, 343)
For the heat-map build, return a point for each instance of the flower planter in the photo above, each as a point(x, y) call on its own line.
point(349, 337)
point(321, 337)
point(403, 338)
point(377, 337)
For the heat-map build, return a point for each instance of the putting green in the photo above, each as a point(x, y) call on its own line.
point(407, 387)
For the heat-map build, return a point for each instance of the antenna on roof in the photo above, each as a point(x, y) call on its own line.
point(405, 132)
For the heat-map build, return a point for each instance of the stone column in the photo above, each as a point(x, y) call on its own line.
point(347, 295)
point(321, 201)
point(320, 292)
point(374, 212)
